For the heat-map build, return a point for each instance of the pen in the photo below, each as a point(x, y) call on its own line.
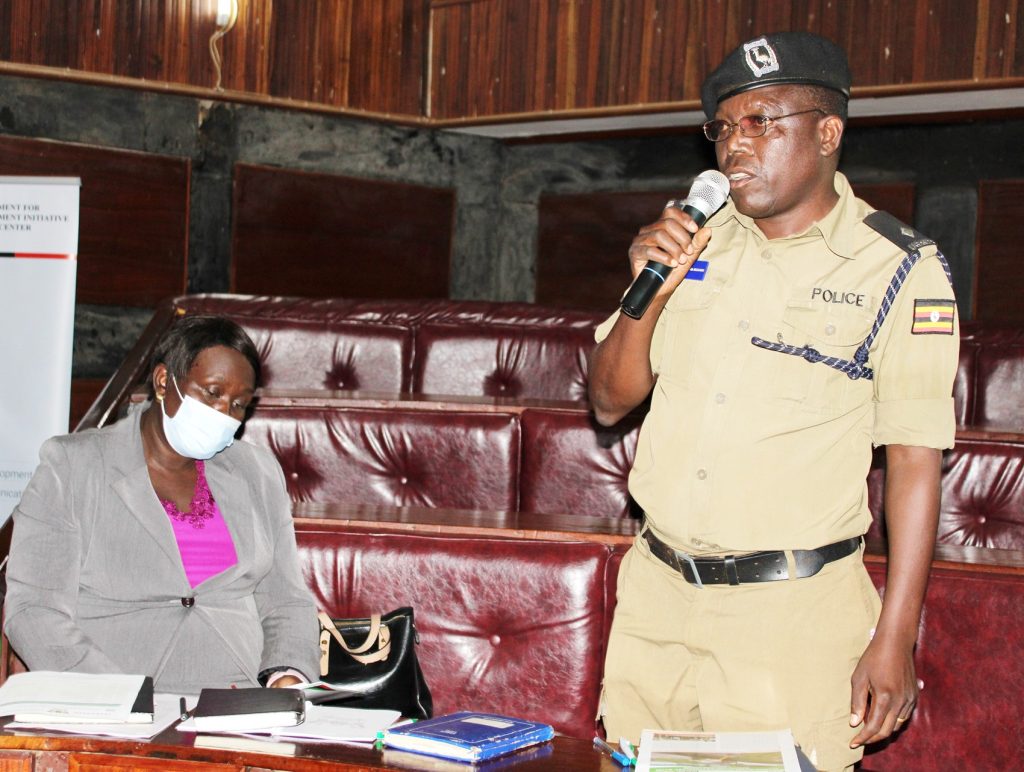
point(621, 758)
point(184, 709)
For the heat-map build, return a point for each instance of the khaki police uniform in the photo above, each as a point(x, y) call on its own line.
point(747, 449)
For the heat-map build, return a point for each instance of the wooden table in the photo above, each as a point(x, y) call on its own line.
point(173, 750)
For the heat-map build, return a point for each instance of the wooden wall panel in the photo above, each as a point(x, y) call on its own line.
point(305, 60)
point(622, 51)
point(161, 40)
point(1000, 45)
point(388, 54)
point(321, 235)
point(133, 225)
point(582, 245)
point(497, 57)
point(999, 270)
point(641, 52)
point(501, 56)
point(312, 50)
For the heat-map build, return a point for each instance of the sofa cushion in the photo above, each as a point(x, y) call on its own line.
point(317, 344)
point(573, 465)
point(968, 657)
point(476, 348)
point(342, 356)
point(983, 495)
point(538, 363)
point(403, 457)
point(513, 626)
point(982, 502)
point(989, 386)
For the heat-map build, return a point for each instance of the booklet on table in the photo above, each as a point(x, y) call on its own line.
point(468, 736)
point(717, 751)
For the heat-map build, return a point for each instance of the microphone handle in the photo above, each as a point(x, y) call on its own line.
point(647, 283)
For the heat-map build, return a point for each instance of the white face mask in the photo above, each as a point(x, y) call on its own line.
point(197, 430)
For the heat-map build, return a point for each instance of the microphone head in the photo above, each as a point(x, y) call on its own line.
point(708, 192)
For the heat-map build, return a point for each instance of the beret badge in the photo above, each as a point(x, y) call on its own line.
point(760, 57)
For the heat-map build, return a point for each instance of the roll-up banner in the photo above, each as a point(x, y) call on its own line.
point(38, 251)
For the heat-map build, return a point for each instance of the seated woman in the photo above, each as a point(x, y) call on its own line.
point(158, 545)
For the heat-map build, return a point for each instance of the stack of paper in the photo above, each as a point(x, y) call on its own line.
point(53, 697)
point(166, 712)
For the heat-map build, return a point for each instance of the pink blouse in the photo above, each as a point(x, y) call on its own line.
point(203, 538)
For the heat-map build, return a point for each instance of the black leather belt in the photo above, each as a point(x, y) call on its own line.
point(745, 569)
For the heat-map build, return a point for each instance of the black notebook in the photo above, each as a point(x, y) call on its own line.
point(234, 710)
point(142, 710)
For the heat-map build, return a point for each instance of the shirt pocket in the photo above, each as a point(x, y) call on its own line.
point(832, 331)
point(684, 317)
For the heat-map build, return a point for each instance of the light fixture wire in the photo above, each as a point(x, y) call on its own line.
point(215, 42)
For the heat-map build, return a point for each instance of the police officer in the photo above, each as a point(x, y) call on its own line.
point(818, 329)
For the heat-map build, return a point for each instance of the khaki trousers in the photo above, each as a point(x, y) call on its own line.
point(753, 657)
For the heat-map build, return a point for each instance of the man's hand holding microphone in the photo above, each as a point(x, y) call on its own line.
point(664, 251)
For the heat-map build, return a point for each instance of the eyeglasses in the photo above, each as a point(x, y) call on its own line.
point(749, 125)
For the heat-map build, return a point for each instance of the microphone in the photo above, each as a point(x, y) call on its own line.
point(707, 193)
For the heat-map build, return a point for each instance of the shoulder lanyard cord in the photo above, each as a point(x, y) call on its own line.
point(857, 367)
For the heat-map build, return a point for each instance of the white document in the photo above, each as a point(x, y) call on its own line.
point(340, 724)
point(717, 751)
point(42, 695)
point(166, 710)
point(327, 723)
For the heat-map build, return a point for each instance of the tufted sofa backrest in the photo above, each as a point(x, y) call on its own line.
point(471, 348)
point(491, 349)
point(982, 502)
point(394, 455)
point(989, 387)
point(512, 626)
point(573, 465)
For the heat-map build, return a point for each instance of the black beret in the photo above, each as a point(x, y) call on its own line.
point(777, 60)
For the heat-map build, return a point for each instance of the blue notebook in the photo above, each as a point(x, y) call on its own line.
point(468, 736)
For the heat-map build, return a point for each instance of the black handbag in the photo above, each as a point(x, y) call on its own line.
point(374, 661)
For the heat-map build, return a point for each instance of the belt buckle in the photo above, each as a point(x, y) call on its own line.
point(693, 568)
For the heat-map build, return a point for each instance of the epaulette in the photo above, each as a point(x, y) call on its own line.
point(900, 234)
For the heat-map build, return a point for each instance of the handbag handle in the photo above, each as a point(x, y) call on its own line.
point(377, 631)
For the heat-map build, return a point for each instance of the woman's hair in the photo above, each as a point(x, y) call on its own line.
point(188, 337)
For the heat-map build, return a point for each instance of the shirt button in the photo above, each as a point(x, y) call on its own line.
point(188, 602)
point(744, 324)
point(830, 329)
point(719, 398)
point(702, 474)
point(767, 254)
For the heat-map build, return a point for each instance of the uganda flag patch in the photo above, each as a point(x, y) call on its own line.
point(933, 317)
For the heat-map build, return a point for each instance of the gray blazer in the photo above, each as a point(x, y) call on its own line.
point(95, 582)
